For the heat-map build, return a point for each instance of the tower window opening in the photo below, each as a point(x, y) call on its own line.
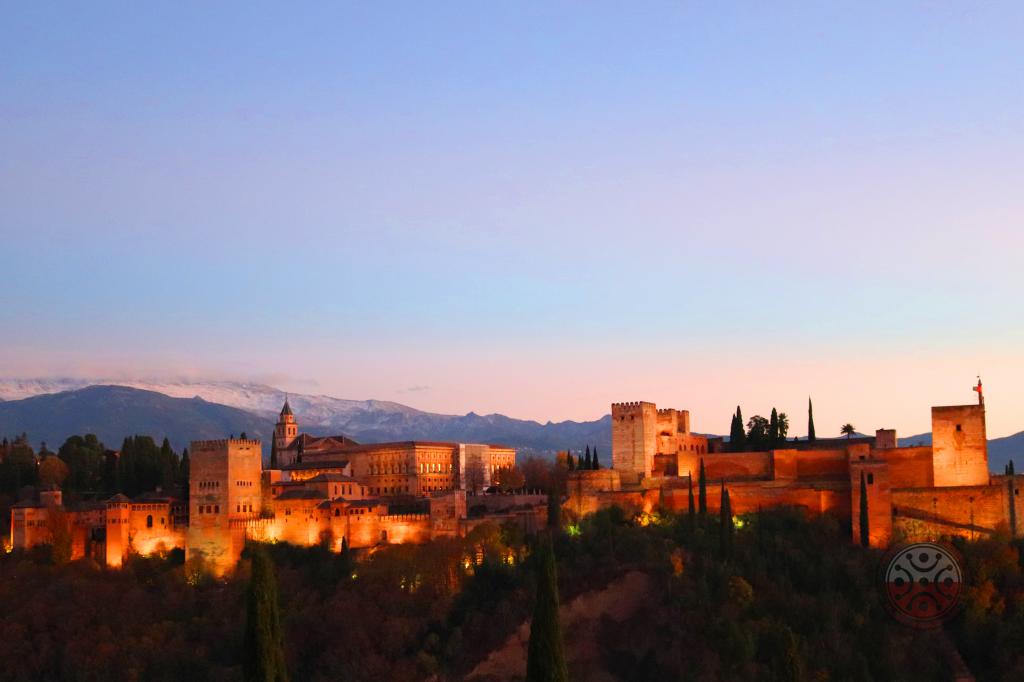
point(871, 479)
point(959, 427)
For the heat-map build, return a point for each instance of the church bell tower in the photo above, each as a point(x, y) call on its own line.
point(286, 430)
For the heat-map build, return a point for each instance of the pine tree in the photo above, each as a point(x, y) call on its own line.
point(593, 462)
point(545, 660)
point(810, 421)
point(773, 428)
point(702, 491)
point(865, 538)
point(263, 643)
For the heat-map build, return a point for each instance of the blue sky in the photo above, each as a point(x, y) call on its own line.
point(531, 208)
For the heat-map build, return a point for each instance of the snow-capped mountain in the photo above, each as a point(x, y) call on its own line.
point(365, 420)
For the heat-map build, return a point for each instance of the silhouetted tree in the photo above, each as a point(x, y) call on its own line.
point(586, 459)
point(725, 521)
point(554, 509)
point(692, 512)
point(864, 534)
point(810, 421)
point(1013, 499)
point(738, 440)
point(783, 427)
point(593, 462)
point(773, 428)
point(183, 473)
point(702, 490)
point(757, 433)
point(570, 461)
point(545, 660)
point(848, 430)
point(263, 643)
point(273, 454)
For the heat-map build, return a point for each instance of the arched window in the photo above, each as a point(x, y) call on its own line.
point(149, 521)
point(337, 512)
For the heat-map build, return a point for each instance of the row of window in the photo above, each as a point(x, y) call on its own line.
point(243, 508)
point(244, 484)
point(209, 509)
point(206, 485)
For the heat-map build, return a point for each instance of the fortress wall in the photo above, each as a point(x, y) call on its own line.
point(818, 464)
point(909, 467)
point(745, 498)
point(730, 466)
point(405, 528)
point(955, 511)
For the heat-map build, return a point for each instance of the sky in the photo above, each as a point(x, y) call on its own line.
point(528, 208)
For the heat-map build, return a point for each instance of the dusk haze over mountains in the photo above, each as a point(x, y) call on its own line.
point(491, 342)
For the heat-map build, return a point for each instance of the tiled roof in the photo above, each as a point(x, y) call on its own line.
point(330, 478)
point(303, 494)
point(306, 466)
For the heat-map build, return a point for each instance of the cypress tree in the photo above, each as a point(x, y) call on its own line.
point(593, 462)
point(263, 643)
point(810, 421)
point(273, 454)
point(741, 435)
point(865, 538)
point(702, 490)
point(1013, 499)
point(545, 660)
point(692, 512)
point(183, 473)
point(725, 521)
point(586, 461)
point(570, 461)
point(773, 428)
point(554, 509)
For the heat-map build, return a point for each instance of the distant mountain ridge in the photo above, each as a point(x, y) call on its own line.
point(253, 407)
point(366, 421)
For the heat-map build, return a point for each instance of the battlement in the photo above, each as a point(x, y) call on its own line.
point(223, 442)
point(631, 405)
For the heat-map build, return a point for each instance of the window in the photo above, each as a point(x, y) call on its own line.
point(871, 479)
point(958, 427)
point(149, 521)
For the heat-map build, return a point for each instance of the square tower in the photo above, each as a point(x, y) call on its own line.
point(634, 439)
point(959, 445)
point(224, 486)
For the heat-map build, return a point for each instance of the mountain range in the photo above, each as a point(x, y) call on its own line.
point(50, 410)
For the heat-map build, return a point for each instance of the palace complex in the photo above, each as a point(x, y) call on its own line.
point(328, 490)
point(336, 492)
point(933, 490)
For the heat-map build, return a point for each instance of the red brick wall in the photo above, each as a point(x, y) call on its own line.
point(909, 467)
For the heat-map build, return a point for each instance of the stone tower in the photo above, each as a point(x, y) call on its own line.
point(225, 491)
point(286, 430)
point(959, 446)
point(634, 439)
